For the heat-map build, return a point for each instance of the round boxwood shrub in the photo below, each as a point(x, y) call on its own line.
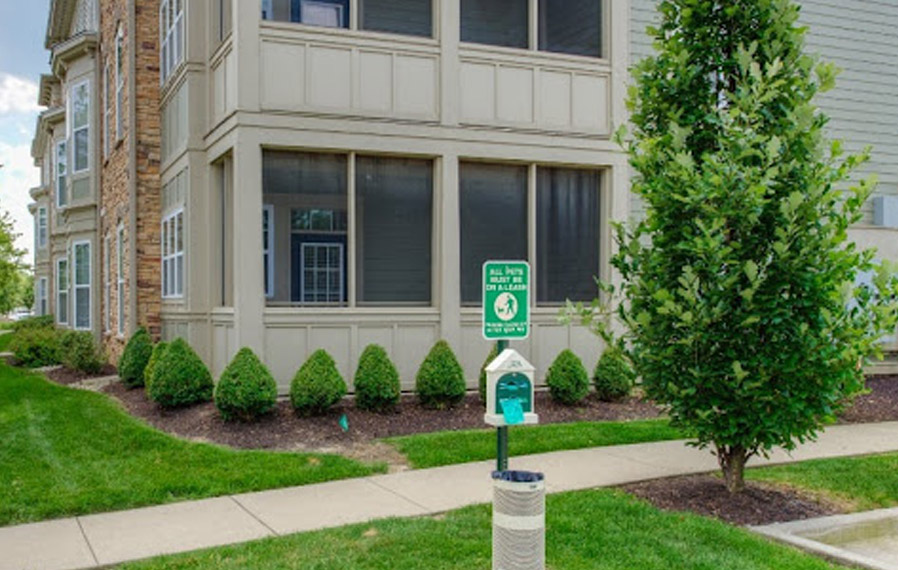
point(317, 385)
point(35, 347)
point(440, 382)
point(376, 381)
point(179, 377)
point(150, 370)
point(246, 389)
point(494, 353)
point(614, 377)
point(567, 379)
point(80, 352)
point(134, 359)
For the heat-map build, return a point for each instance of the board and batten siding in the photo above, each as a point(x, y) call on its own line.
point(861, 38)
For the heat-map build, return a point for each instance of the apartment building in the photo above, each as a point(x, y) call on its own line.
point(304, 174)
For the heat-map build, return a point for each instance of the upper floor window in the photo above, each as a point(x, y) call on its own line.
point(119, 82)
point(79, 121)
point(62, 195)
point(41, 227)
point(406, 17)
point(107, 108)
point(561, 26)
point(171, 37)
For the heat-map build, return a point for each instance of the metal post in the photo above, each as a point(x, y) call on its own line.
point(501, 432)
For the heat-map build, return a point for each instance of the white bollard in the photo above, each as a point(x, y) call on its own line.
point(519, 520)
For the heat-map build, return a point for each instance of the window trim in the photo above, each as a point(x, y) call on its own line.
point(42, 292)
point(75, 286)
point(120, 279)
point(62, 167)
point(73, 130)
point(59, 290)
point(42, 227)
point(173, 256)
point(107, 70)
point(172, 38)
point(107, 282)
point(268, 248)
point(353, 17)
point(119, 83)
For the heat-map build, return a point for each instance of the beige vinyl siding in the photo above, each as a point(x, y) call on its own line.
point(861, 37)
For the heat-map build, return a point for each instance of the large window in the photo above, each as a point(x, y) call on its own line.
point(82, 279)
point(42, 296)
point(62, 291)
point(62, 195)
point(119, 83)
point(307, 216)
point(407, 17)
point(495, 224)
point(41, 227)
point(79, 119)
point(561, 26)
point(171, 37)
point(120, 278)
point(107, 284)
point(107, 108)
point(173, 255)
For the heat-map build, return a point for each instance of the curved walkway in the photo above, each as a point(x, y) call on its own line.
point(103, 539)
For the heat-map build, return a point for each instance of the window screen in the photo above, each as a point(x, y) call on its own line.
point(394, 205)
point(571, 26)
point(493, 204)
point(495, 22)
point(409, 17)
point(567, 234)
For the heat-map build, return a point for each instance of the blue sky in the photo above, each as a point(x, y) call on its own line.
point(22, 60)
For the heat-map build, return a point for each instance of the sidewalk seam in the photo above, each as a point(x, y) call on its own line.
point(253, 515)
point(426, 510)
point(87, 541)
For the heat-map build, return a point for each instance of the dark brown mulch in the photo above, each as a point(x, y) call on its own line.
point(64, 376)
point(706, 495)
point(880, 405)
point(284, 429)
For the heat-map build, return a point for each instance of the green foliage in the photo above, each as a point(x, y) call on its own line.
point(567, 379)
point(80, 352)
point(41, 322)
point(246, 389)
point(135, 358)
point(440, 382)
point(614, 377)
point(376, 381)
point(481, 386)
point(317, 385)
point(13, 279)
point(149, 371)
point(179, 377)
point(36, 347)
point(740, 309)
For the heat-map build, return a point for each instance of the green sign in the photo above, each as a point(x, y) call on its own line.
point(506, 300)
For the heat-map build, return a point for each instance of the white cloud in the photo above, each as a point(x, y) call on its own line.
point(17, 95)
point(17, 177)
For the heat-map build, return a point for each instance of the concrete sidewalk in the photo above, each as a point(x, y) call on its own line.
point(110, 538)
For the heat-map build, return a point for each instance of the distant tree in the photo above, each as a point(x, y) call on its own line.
point(739, 303)
point(11, 268)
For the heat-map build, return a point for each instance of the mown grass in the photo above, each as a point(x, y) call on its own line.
point(596, 530)
point(863, 483)
point(5, 339)
point(451, 447)
point(67, 452)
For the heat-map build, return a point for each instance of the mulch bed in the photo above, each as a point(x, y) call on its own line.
point(706, 495)
point(66, 377)
point(880, 405)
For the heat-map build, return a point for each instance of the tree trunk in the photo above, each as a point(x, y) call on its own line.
point(732, 462)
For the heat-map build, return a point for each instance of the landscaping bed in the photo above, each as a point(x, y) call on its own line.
point(880, 405)
point(67, 376)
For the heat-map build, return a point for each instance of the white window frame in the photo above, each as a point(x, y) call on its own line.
point(62, 197)
point(119, 83)
point(171, 38)
point(42, 227)
point(60, 291)
point(107, 70)
point(76, 286)
point(120, 278)
point(73, 130)
point(171, 255)
point(42, 296)
point(107, 283)
point(268, 248)
point(341, 280)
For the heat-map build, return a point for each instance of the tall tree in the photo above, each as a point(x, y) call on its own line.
point(740, 308)
point(11, 286)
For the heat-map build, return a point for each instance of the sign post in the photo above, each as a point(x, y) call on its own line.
point(506, 316)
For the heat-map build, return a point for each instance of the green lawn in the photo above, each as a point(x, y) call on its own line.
point(585, 530)
point(863, 483)
point(450, 447)
point(5, 339)
point(68, 452)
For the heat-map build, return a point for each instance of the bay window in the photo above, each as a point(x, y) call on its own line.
point(62, 291)
point(79, 120)
point(42, 296)
point(173, 255)
point(405, 17)
point(171, 37)
point(82, 281)
point(42, 227)
point(62, 195)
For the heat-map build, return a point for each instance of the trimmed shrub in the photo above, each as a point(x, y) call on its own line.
point(494, 353)
point(179, 377)
point(440, 382)
point(246, 389)
point(155, 357)
point(317, 385)
point(80, 352)
point(614, 377)
point(376, 381)
point(36, 347)
point(41, 322)
point(567, 379)
point(134, 360)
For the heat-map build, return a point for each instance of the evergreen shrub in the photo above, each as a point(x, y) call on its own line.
point(135, 357)
point(567, 379)
point(180, 378)
point(376, 381)
point(317, 385)
point(440, 382)
point(246, 389)
point(614, 377)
